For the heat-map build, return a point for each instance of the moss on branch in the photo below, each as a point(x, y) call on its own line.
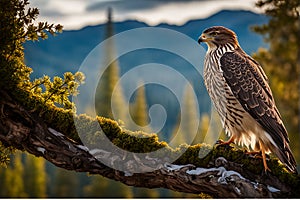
point(200, 155)
point(44, 116)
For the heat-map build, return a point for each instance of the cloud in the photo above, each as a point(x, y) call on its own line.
point(132, 5)
point(122, 6)
point(75, 14)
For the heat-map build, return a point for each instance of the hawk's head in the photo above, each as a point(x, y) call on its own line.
point(218, 36)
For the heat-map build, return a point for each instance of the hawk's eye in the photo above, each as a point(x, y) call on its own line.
point(215, 33)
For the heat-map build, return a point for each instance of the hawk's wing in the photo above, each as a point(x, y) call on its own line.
point(250, 86)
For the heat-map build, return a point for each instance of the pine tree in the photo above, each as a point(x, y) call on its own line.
point(139, 111)
point(211, 128)
point(103, 187)
point(11, 178)
point(65, 183)
point(108, 81)
point(203, 129)
point(188, 122)
point(96, 188)
point(35, 176)
point(145, 193)
point(174, 194)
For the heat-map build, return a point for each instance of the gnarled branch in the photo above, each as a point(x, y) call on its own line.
point(23, 130)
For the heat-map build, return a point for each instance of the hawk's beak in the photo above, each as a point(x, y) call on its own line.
point(200, 39)
point(203, 38)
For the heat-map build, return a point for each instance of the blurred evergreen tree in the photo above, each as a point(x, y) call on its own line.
point(109, 107)
point(107, 85)
point(96, 188)
point(203, 129)
point(103, 187)
point(11, 178)
point(188, 121)
point(139, 111)
point(145, 193)
point(65, 184)
point(174, 194)
point(211, 129)
point(35, 176)
point(281, 61)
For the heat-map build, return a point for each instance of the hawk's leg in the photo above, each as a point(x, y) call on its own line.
point(263, 153)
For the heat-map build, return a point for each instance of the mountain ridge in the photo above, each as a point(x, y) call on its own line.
point(38, 55)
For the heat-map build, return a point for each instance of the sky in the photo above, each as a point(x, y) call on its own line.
point(76, 14)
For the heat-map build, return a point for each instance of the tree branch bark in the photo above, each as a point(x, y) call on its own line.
point(222, 178)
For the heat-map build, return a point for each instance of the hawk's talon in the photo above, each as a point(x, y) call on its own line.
point(218, 142)
point(228, 142)
point(221, 143)
point(254, 154)
point(265, 172)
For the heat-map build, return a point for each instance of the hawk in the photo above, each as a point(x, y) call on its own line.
point(241, 94)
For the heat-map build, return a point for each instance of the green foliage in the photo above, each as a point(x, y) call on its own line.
point(4, 155)
point(58, 91)
point(41, 96)
point(282, 60)
point(57, 118)
point(17, 26)
point(23, 26)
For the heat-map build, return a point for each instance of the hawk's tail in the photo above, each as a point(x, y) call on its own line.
point(286, 157)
